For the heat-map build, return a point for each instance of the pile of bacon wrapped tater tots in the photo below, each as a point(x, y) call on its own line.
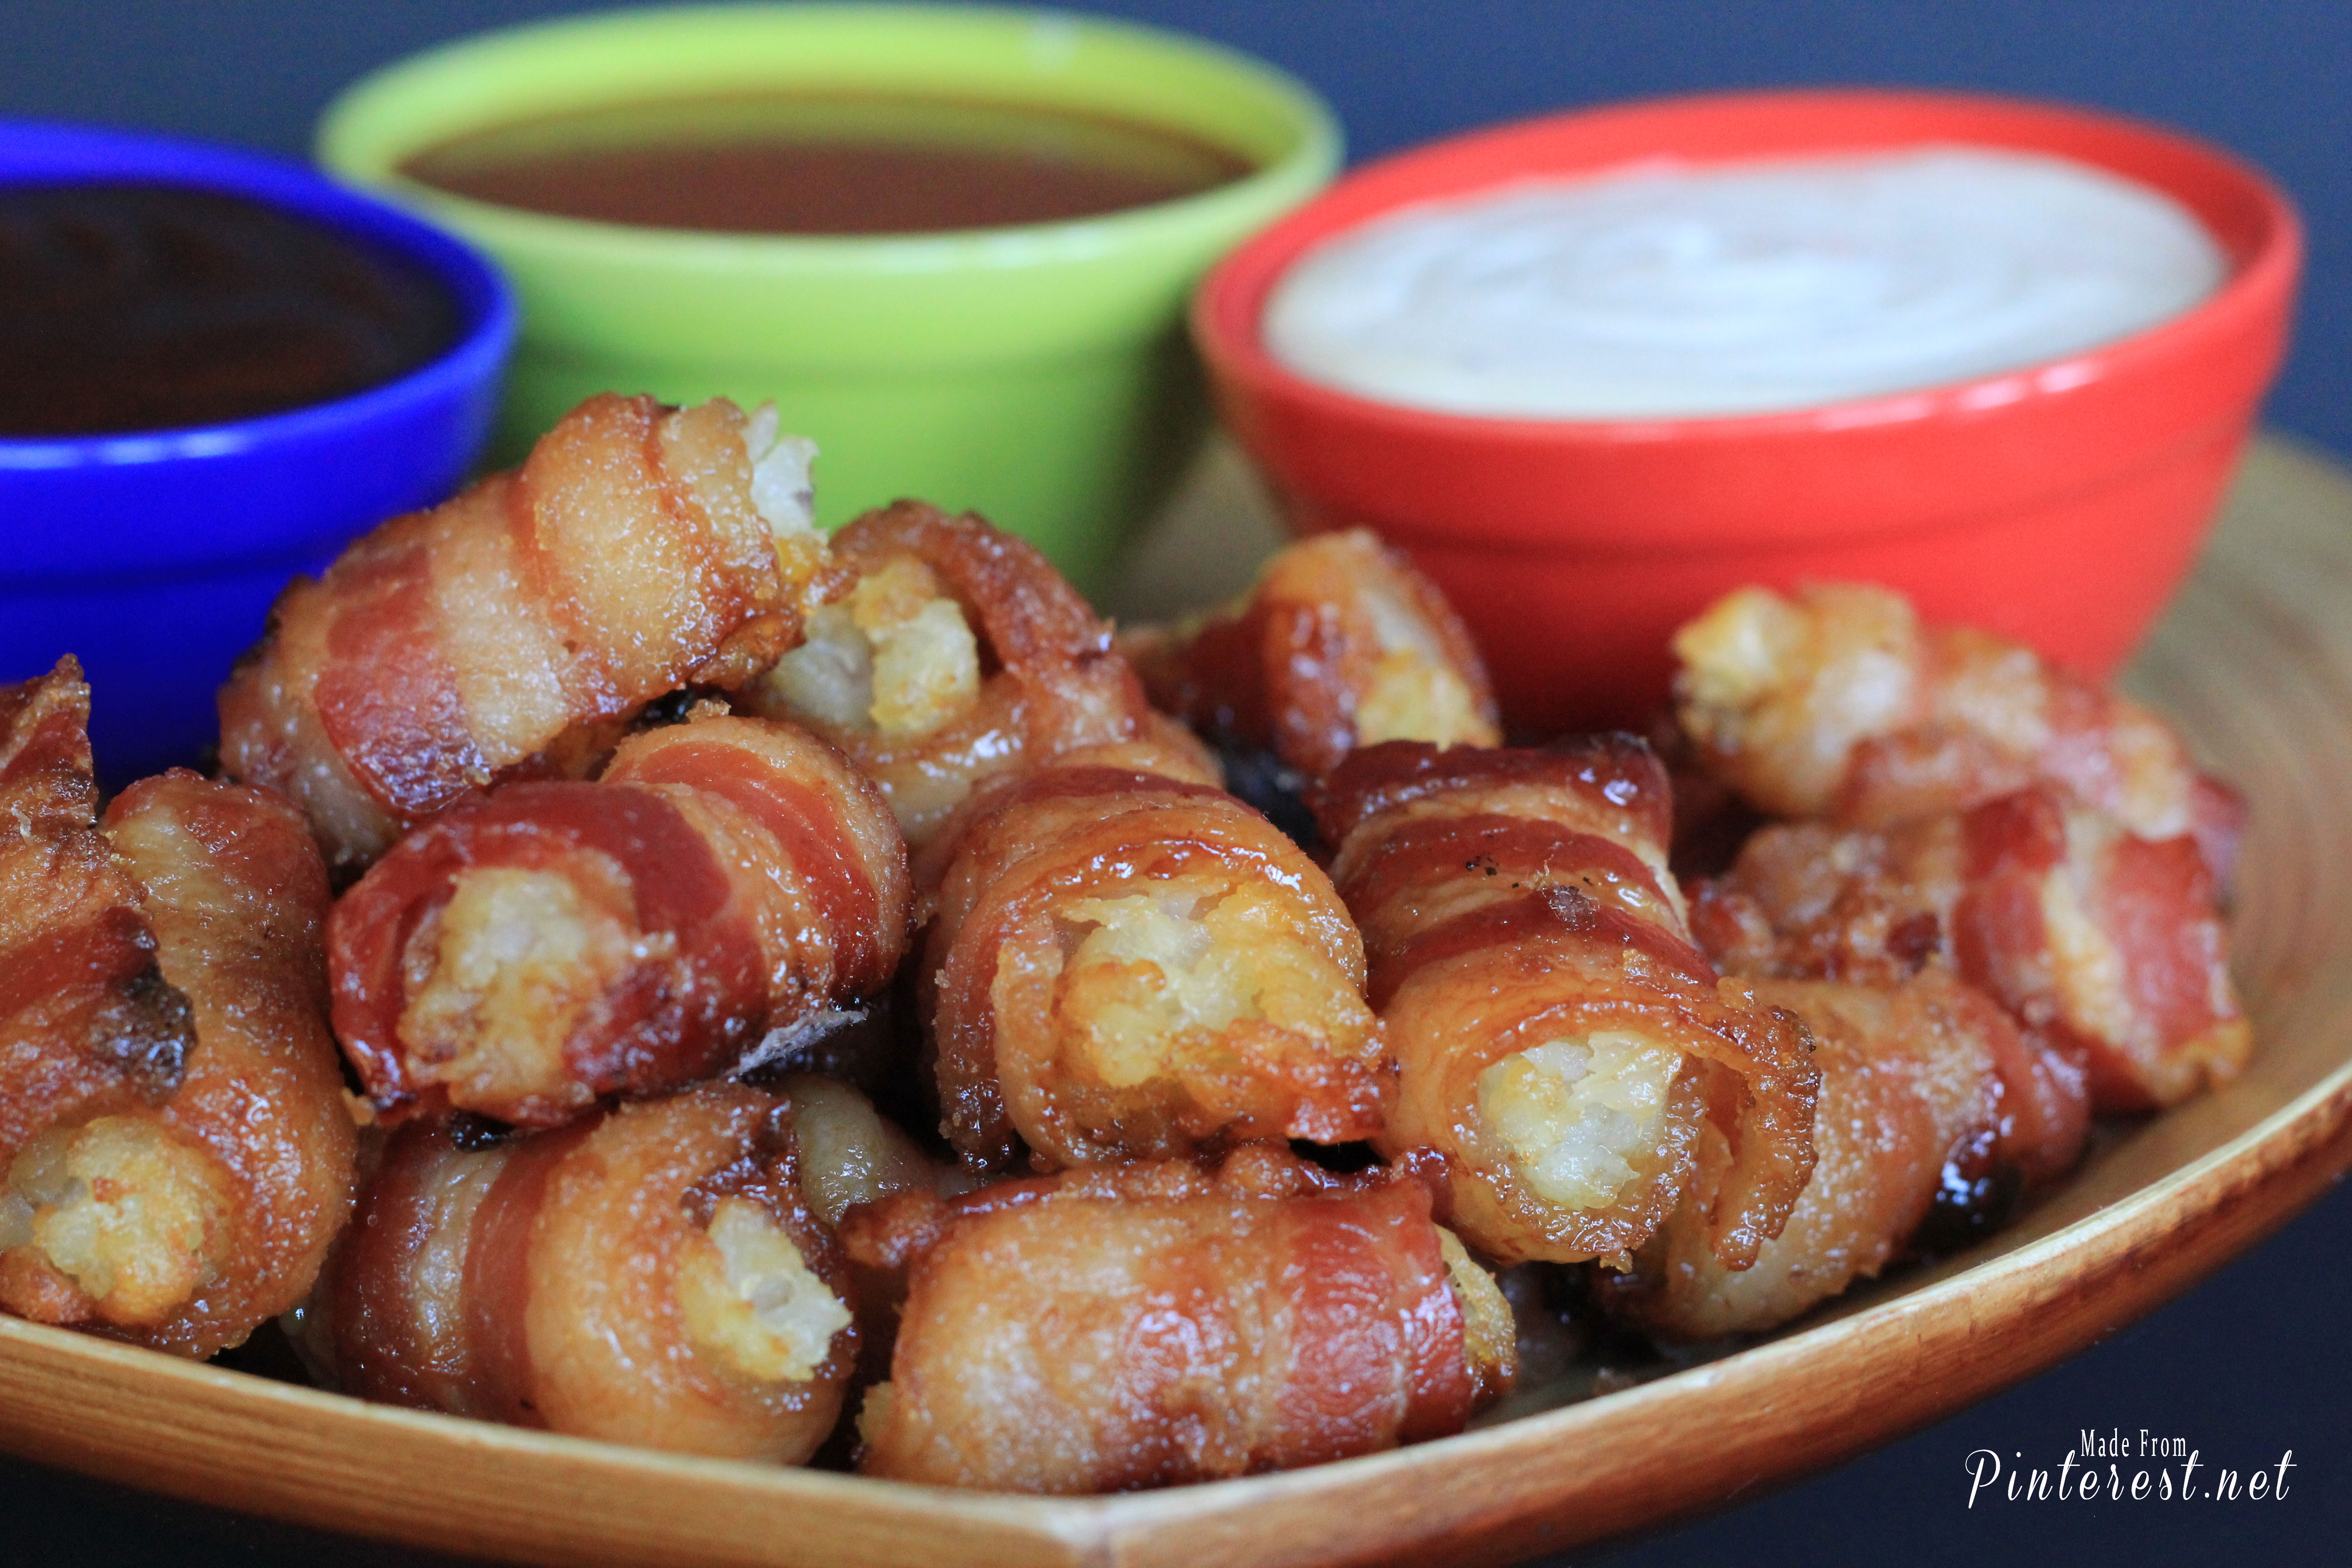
point(652, 972)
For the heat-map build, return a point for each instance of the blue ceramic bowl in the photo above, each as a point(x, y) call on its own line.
point(155, 557)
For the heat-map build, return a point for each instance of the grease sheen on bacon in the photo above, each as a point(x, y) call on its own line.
point(177, 1156)
point(2109, 943)
point(1341, 643)
point(1560, 1042)
point(88, 1023)
point(1126, 965)
point(1837, 703)
point(536, 948)
point(949, 653)
point(1920, 1111)
point(653, 1275)
point(1150, 1324)
point(511, 631)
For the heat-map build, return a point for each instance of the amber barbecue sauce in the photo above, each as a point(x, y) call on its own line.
point(826, 165)
point(128, 308)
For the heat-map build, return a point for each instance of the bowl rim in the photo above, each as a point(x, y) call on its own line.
point(1228, 309)
point(40, 151)
point(339, 144)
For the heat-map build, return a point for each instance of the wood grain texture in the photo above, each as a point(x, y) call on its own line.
point(2254, 661)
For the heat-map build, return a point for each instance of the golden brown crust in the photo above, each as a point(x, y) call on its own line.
point(176, 1156)
point(597, 1281)
point(1341, 643)
point(239, 896)
point(1911, 1107)
point(88, 1023)
point(1126, 965)
point(1149, 1325)
point(534, 949)
point(2107, 944)
point(1047, 682)
point(1559, 1040)
point(1837, 703)
point(509, 632)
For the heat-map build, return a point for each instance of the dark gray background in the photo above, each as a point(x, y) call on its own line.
point(2250, 1363)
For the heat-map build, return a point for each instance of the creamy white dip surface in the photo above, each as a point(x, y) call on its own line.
point(1669, 291)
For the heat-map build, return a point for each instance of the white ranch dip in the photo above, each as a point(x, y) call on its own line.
point(1669, 291)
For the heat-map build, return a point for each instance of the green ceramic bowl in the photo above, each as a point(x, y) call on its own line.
point(1038, 375)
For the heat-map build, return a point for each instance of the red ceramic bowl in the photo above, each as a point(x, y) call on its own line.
point(2060, 504)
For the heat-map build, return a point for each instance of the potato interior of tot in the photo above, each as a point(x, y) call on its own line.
point(1572, 1115)
point(750, 1301)
point(499, 978)
point(1415, 693)
point(1144, 970)
point(138, 1217)
point(897, 659)
point(1795, 686)
point(781, 492)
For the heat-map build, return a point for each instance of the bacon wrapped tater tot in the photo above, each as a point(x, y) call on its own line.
point(1915, 1125)
point(1558, 1039)
point(2109, 943)
point(1126, 965)
point(948, 653)
point(176, 1156)
point(534, 949)
point(513, 630)
point(88, 1025)
point(1148, 1325)
point(1340, 644)
point(655, 1275)
point(1838, 704)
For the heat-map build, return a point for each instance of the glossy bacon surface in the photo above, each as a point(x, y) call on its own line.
point(1149, 1325)
point(653, 1277)
point(536, 948)
point(2109, 943)
point(1839, 704)
point(1560, 1042)
point(1911, 1117)
point(89, 1024)
point(509, 632)
point(1126, 965)
point(1341, 643)
point(239, 897)
point(177, 1192)
point(951, 653)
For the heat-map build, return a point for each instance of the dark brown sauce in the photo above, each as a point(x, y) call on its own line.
point(126, 308)
point(826, 165)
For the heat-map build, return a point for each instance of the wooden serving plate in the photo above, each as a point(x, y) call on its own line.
point(2254, 661)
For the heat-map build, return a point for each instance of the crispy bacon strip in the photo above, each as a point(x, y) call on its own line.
point(511, 631)
point(949, 653)
point(1150, 1325)
point(1341, 643)
point(534, 949)
point(1126, 965)
point(1559, 1040)
point(174, 1175)
point(1838, 704)
point(1917, 1132)
point(655, 1275)
point(88, 1025)
point(2107, 943)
